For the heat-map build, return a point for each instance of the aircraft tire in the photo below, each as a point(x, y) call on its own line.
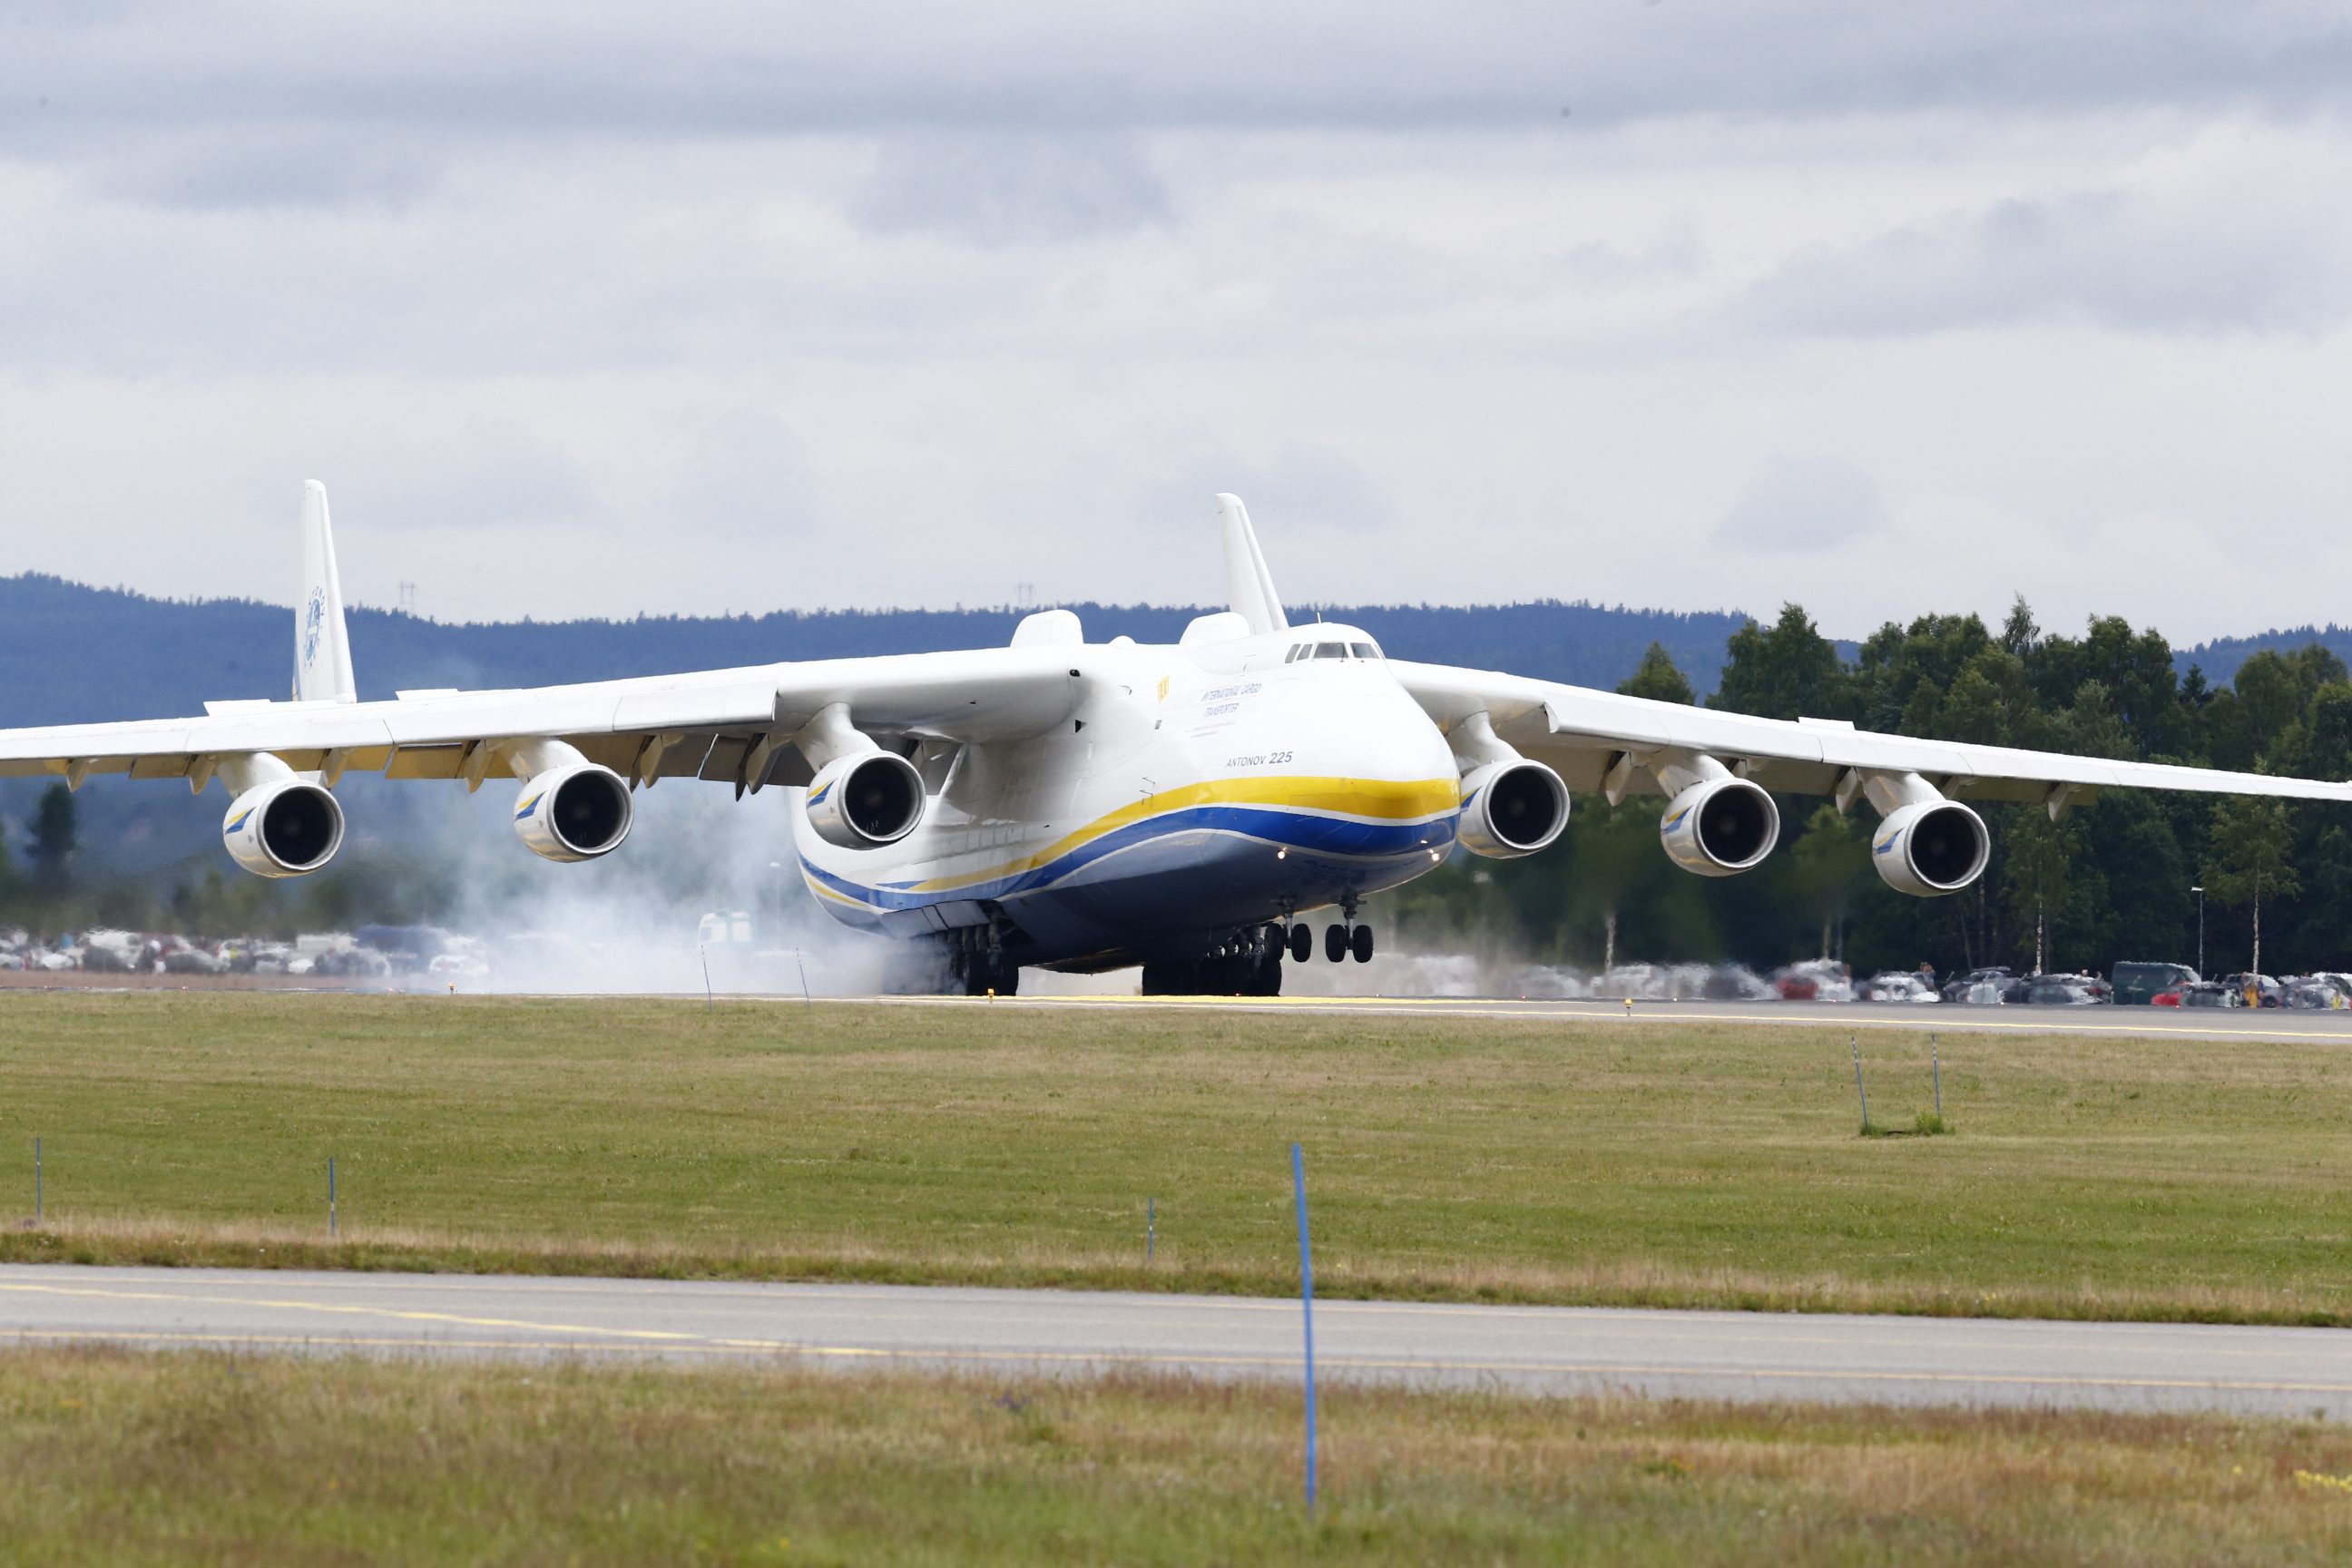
point(1361, 942)
point(1302, 943)
point(1335, 943)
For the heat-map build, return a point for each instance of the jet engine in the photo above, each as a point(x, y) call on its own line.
point(283, 827)
point(1720, 826)
point(865, 800)
point(1930, 848)
point(1511, 809)
point(574, 813)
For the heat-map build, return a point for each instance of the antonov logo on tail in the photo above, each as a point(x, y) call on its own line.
point(1044, 804)
point(314, 622)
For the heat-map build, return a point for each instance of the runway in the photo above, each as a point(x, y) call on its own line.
point(1728, 1355)
point(2277, 1024)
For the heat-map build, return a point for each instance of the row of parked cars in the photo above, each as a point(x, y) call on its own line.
point(2156, 984)
point(372, 954)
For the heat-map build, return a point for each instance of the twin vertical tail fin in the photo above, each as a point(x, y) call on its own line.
point(1248, 585)
point(322, 648)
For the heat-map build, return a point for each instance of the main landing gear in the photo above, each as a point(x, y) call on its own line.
point(1249, 963)
point(978, 964)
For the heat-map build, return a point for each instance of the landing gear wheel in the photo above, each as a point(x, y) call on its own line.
point(1335, 943)
point(1302, 943)
point(1363, 945)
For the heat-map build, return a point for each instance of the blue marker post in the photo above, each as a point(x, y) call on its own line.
point(331, 1195)
point(1150, 1226)
point(1307, 1303)
point(1854, 1042)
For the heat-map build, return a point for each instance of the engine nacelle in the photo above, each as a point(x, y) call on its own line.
point(1511, 809)
point(1720, 828)
point(1930, 848)
point(574, 813)
point(865, 800)
point(283, 827)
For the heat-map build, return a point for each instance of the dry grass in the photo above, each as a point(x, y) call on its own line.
point(1457, 1159)
point(117, 1457)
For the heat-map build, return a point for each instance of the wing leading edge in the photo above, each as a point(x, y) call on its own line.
point(710, 724)
point(1599, 742)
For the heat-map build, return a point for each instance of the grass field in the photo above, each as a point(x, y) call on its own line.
point(125, 1458)
point(1466, 1159)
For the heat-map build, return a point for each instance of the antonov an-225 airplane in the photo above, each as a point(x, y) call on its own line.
point(1086, 806)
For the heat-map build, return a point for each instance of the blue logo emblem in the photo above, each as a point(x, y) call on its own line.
point(314, 624)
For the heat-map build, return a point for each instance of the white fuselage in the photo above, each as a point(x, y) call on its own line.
point(1193, 791)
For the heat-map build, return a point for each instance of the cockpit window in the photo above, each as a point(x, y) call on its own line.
point(1331, 650)
point(1363, 650)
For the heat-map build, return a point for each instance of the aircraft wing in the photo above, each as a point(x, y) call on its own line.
point(715, 724)
point(1588, 736)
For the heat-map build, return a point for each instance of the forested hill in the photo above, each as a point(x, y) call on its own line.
point(2221, 658)
point(71, 653)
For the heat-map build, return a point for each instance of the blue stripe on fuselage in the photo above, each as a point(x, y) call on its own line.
point(1291, 829)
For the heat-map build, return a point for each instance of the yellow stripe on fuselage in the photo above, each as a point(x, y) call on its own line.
point(1388, 800)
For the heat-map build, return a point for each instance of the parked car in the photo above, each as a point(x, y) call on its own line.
point(456, 966)
point(1896, 986)
point(2136, 984)
point(1815, 980)
point(2169, 996)
point(2311, 991)
point(1736, 983)
point(2272, 993)
point(2061, 991)
point(2210, 993)
point(1957, 990)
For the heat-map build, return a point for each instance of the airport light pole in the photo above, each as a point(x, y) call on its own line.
point(2200, 930)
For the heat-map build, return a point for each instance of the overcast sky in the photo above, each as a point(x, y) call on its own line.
point(595, 309)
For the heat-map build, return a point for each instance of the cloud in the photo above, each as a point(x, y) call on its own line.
point(998, 190)
point(728, 295)
point(745, 67)
point(2219, 236)
point(1801, 504)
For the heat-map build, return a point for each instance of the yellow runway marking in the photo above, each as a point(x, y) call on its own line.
point(1710, 1328)
point(283, 1304)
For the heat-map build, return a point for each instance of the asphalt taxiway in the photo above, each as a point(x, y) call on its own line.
point(1734, 1355)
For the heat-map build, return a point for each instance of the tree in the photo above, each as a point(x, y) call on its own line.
point(54, 840)
point(2051, 887)
point(1657, 679)
point(2247, 857)
point(1613, 853)
point(1832, 860)
point(1789, 672)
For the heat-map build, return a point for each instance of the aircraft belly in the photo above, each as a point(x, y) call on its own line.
point(1184, 884)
